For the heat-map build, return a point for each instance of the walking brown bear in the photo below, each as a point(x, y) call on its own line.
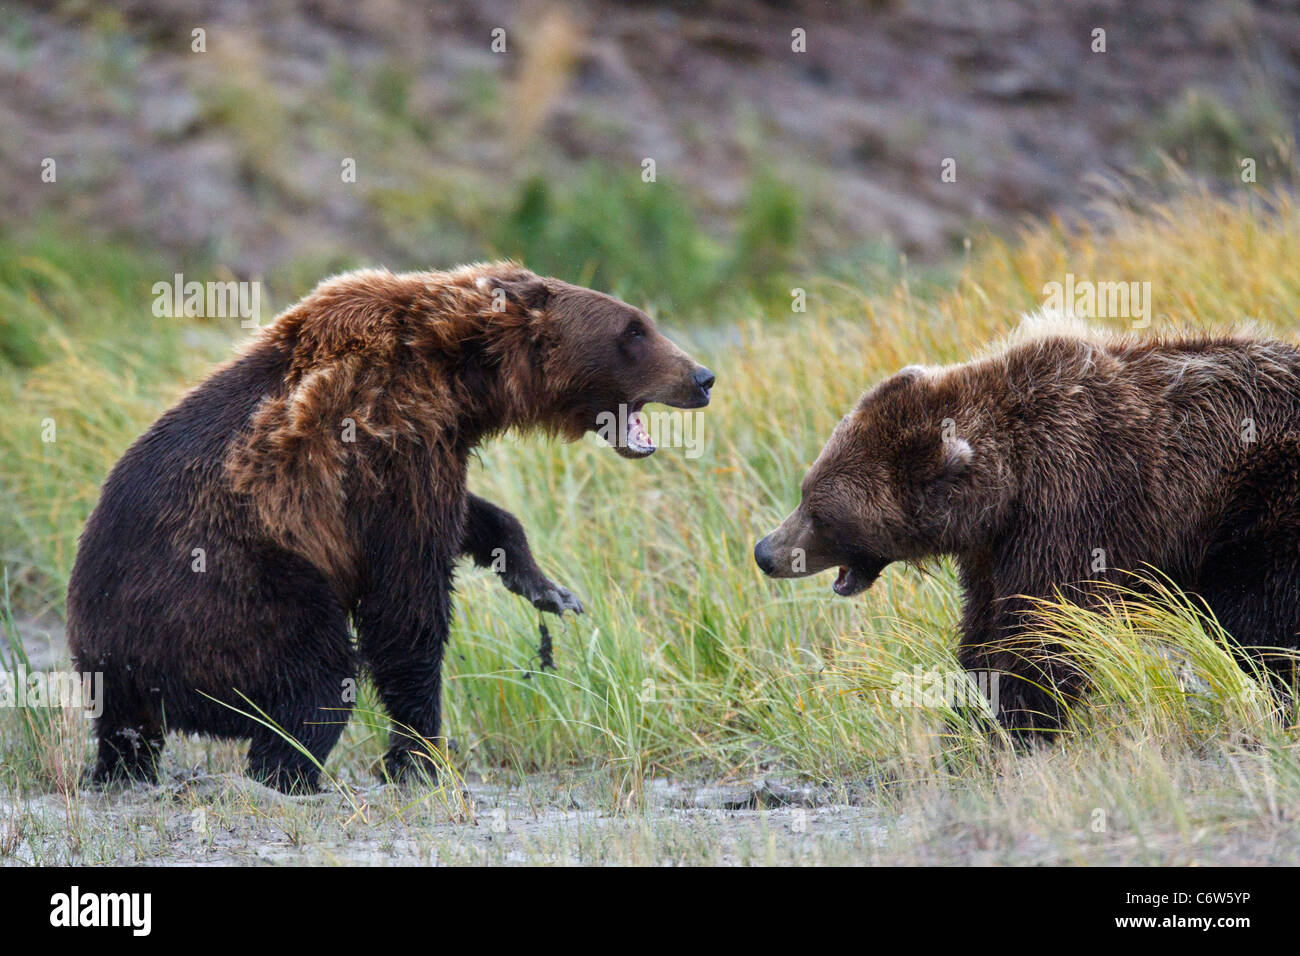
point(1059, 463)
point(320, 478)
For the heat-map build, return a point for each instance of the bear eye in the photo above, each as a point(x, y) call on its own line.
point(814, 512)
point(635, 330)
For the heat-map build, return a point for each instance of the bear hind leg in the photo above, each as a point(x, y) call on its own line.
point(307, 724)
point(293, 766)
point(130, 751)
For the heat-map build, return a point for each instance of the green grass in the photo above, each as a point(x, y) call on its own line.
point(606, 228)
point(1200, 132)
point(688, 663)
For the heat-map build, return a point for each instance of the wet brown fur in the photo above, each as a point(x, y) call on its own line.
point(304, 531)
point(1022, 464)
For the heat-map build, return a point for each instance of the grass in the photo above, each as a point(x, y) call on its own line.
point(688, 664)
point(606, 228)
point(1201, 132)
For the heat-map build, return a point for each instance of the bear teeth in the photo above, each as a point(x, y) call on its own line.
point(638, 438)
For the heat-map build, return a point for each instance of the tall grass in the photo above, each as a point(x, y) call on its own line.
point(688, 660)
point(87, 366)
point(40, 741)
point(1162, 667)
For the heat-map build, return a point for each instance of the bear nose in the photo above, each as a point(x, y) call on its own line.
point(763, 557)
point(704, 378)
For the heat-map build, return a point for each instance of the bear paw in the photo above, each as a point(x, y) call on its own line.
point(544, 594)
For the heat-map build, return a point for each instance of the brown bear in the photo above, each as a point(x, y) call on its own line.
point(1054, 467)
point(318, 481)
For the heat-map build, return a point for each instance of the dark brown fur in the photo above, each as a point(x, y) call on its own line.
point(1025, 464)
point(304, 531)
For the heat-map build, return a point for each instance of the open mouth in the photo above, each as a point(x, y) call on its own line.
point(854, 579)
point(636, 442)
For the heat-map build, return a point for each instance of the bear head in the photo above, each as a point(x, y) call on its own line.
point(906, 476)
point(602, 361)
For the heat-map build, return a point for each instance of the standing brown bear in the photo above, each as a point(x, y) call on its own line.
point(320, 479)
point(1056, 465)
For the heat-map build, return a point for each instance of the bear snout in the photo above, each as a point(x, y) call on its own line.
point(782, 554)
point(692, 390)
point(703, 379)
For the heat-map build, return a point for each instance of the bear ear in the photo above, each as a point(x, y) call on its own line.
point(903, 379)
point(955, 457)
point(525, 289)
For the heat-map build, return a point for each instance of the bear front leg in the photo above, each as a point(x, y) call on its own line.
point(1025, 693)
point(405, 662)
point(495, 539)
point(402, 620)
point(1026, 682)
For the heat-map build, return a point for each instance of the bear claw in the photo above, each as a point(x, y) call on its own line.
point(557, 600)
point(544, 595)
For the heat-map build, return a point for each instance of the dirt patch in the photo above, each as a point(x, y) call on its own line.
point(225, 819)
point(44, 640)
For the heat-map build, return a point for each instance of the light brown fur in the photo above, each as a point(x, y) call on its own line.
point(322, 474)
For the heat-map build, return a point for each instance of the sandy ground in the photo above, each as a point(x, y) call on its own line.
point(207, 813)
point(225, 819)
point(198, 818)
point(44, 640)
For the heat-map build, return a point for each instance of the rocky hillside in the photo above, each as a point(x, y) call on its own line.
point(237, 148)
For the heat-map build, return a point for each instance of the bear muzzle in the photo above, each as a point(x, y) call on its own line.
point(634, 436)
point(692, 390)
point(791, 552)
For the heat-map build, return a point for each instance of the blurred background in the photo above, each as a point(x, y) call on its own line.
point(919, 167)
point(786, 137)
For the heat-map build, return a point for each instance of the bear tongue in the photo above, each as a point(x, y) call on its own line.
point(842, 579)
point(849, 582)
point(638, 439)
